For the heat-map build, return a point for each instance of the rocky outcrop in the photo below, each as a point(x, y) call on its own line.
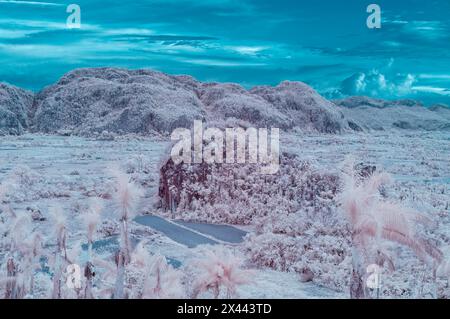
point(14, 106)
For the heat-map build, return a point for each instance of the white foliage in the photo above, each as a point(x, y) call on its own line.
point(217, 268)
point(153, 277)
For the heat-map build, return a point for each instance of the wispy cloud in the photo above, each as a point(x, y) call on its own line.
point(222, 63)
point(430, 89)
point(435, 76)
point(14, 34)
point(129, 31)
point(427, 29)
point(30, 3)
point(247, 50)
point(44, 24)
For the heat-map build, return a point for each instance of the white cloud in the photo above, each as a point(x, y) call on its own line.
point(375, 83)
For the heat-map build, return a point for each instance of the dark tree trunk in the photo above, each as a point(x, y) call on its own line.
point(89, 274)
point(357, 284)
point(10, 292)
point(357, 290)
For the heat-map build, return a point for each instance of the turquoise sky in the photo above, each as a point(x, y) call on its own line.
point(323, 43)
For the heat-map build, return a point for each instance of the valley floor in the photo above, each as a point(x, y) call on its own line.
point(65, 172)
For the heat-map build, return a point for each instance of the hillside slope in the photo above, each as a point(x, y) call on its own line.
point(14, 105)
point(141, 101)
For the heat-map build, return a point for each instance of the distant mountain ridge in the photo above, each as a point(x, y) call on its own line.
point(92, 100)
point(376, 114)
point(359, 101)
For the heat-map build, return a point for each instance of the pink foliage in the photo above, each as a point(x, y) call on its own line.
point(374, 218)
